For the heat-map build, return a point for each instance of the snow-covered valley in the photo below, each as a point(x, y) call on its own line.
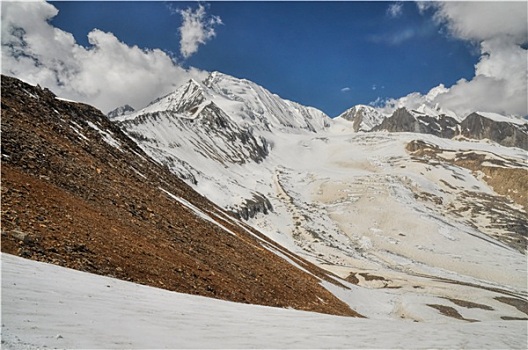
point(361, 209)
point(363, 205)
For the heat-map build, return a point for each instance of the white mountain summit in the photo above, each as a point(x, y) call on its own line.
point(246, 103)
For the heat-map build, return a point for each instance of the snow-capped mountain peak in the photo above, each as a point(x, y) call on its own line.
point(183, 100)
point(244, 102)
point(363, 117)
point(120, 111)
point(249, 103)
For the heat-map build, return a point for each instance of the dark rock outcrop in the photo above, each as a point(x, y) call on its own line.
point(474, 126)
point(258, 204)
point(403, 121)
point(478, 127)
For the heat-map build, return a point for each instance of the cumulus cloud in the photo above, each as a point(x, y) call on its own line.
point(107, 74)
point(395, 10)
point(411, 101)
point(482, 20)
point(501, 74)
point(196, 29)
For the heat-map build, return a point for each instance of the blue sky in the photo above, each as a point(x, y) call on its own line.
point(331, 55)
point(463, 56)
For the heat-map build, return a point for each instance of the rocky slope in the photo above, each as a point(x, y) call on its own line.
point(403, 121)
point(77, 192)
point(505, 132)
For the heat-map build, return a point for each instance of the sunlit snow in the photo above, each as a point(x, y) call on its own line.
point(45, 306)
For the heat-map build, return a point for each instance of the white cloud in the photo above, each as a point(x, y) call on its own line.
point(197, 28)
point(345, 89)
point(411, 101)
point(481, 21)
point(501, 75)
point(107, 74)
point(499, 85)
point(395, 10)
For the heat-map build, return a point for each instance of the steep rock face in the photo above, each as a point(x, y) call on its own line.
point(77, 192)
point(214, 119)
point(403, 121)
point(476, 126)
point(445, 126)
point(400, 121)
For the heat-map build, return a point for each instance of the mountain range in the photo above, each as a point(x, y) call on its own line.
point(224, 189)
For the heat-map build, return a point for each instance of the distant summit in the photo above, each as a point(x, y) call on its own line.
point(120, 111)
point(363, 118)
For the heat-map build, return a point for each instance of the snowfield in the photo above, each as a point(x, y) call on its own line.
point(46, 306)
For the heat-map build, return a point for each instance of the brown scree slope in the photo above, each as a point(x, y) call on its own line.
point(72, 198)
